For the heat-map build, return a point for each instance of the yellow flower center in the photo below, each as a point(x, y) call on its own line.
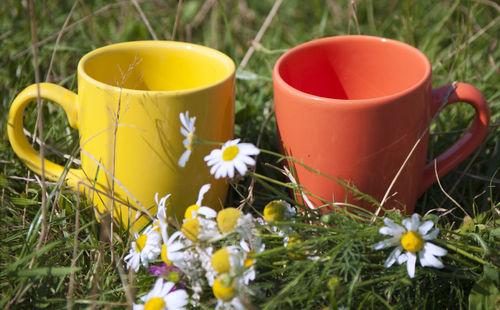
point(190, 138)
point(140, 242)
point(249, 261)
point(412, 241)
point(189, 211)
point(227, 219)
point(155, 303)
point(164, 257)
point(220, 261)
point(295, 248)
point(156, 226)
point(274, 211)
point(223, 289)
point(230, 152)
point(191, 229)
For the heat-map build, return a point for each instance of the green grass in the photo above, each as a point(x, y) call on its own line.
point(77, 265)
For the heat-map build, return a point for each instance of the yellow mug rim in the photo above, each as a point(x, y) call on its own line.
point(224, 59)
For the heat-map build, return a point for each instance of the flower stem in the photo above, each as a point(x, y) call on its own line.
point(460, 251)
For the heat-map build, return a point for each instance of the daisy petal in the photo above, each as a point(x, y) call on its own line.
point(393, 257)
point(425, 227)
point(410, 263)
point(184, 158)
point(432, 235)
point(433, 249)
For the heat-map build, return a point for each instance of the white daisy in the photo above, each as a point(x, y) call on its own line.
point(193, 210)
point(161, 222)
point(412, 238)
point(249, 262)
point(200, 228)
point(232, 156)
point(164, 296)
point(185, 255)
point(187, 130)
point(161, 216)
point(146, 247)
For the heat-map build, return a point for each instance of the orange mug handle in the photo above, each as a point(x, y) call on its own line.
point(68, 101)
point(472, 138)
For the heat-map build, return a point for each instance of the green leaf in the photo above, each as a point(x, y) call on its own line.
point(45, 271)
point(3, 181)
point(485, 293)
point(24, 202)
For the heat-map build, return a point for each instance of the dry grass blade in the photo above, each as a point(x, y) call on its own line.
point(101, 166)
point(177, 18)
point(469, 41)
point(445, 193)
point(59, 36)
point(260, 34)
point(144, 19)
point(199, 17)
point(445, 100)
point(71, 26)
point(39, 122)
point(71, 285)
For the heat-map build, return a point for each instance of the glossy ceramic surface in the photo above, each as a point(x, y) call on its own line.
point(127, 115)
point(353, 107)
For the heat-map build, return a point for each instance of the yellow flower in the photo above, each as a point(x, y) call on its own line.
point(227, 219)
point(220, 261)
point(278, 210)
point(191, 229)
point(223, 288)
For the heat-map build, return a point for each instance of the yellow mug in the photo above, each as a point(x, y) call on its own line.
point(127, 111)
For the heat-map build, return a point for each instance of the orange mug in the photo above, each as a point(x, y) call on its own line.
point(354, 107)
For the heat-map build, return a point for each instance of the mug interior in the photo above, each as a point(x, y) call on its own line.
point(156, 66)
point(353, 67)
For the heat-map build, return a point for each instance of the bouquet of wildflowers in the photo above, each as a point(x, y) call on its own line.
point(296, 254)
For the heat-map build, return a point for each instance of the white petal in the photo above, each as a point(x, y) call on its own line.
point(214, 155)
point(397, 230)
point(184, 158)
point(386, 231)
point(185, 133)
point(383, 244)
point(167, 287)
point(432, 235)
point(230, 171)
point(240, 167)
point(425, 227)
point(414, 222)
point(427, 259)
point(203, 190)
point(248, 149)
point(207, 212)
point(177, 300)
point(249, 161)
point(402, 259)
point(410, 263)
point(392, 257)
point(433, 249)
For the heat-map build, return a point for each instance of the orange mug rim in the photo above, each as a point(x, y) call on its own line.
point(368, 101)
point(156, 44)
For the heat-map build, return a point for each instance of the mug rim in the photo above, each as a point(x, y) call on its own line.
point(157, 43)
point(277, 78)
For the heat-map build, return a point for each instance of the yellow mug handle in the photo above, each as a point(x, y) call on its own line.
point(68, 101)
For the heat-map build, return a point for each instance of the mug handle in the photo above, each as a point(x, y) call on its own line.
point(68, 101)
point(472, 138)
